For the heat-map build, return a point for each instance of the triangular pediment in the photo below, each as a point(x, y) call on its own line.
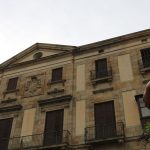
point(37, 51)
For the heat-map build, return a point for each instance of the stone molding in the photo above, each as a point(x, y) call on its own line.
point(66, 98)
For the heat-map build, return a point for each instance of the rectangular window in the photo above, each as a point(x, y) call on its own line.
point(145, 53)
point(57, 74)
point(101, 68)
point(144, 111)
point(5, 130)
point(105, 125)
point(54, 127)
point(12, 84)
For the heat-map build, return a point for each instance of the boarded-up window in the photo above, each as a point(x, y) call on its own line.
point(145, 53)
point(57, 74)
point(5, 129)
point(12, 84)
point(101, 68)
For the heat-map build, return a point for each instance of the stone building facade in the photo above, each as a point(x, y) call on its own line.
point(77, 98)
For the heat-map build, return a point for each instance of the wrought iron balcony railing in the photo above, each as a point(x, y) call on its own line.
point(53, 139)
point(105, 75)
point(104, 132)
point(144, 65)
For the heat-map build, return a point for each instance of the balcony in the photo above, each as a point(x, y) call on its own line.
point(144, 66)
point(40, 141)
point(104, 133)
point(101, 76)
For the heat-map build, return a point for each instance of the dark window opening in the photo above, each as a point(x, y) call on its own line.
point(145, 53)
point(101, 68)
point(5, 129)
point(54, 128)
point(105, 125)
point(57, 74)
point(12, 84)
point(143, 110)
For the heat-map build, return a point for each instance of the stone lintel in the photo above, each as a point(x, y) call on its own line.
point(65, 98)
point(11, 108)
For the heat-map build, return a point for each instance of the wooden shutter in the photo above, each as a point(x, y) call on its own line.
point(105, 124)
point(54, 127)
point(57, 74)
point(101, 68)
point(145, 53)
point(12, 84)
point(5, 129)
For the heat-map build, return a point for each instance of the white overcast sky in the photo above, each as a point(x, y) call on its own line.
point(68, 22)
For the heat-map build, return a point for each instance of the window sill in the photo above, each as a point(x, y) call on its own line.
point(144, 118)
point(8, 101)
point(103, 90)
point(56, 82)
point(11, 91)
point(56, 91)
point(103, 79)
point(144, 70)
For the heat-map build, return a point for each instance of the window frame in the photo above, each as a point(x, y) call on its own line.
point(11, 81)
point(145, 53)
point(144, 119)
point(98, 72)
point(57, 74)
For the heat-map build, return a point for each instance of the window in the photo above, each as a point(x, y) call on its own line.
point(5, 128)
point(144, 111)
point(105, 125)
point(54, 127)
point(57, 74)
point(12, 84)
point(145, 53)
point(101, 68)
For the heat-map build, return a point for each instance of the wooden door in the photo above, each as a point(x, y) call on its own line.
point(101, 68)
point(5, 129)
point(105, 123)
point(54, 127)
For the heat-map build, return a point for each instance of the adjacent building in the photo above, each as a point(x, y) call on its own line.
point(76, 98)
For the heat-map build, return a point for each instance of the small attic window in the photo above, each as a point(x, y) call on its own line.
point(38, 55)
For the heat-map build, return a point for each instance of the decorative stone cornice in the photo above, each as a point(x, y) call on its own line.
point(8, 101)
point(103, 90)
point(71, 50)
point(65, 98)
point(10, 108)
point(56, 91)
point(112, 41)
point(34, 61)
